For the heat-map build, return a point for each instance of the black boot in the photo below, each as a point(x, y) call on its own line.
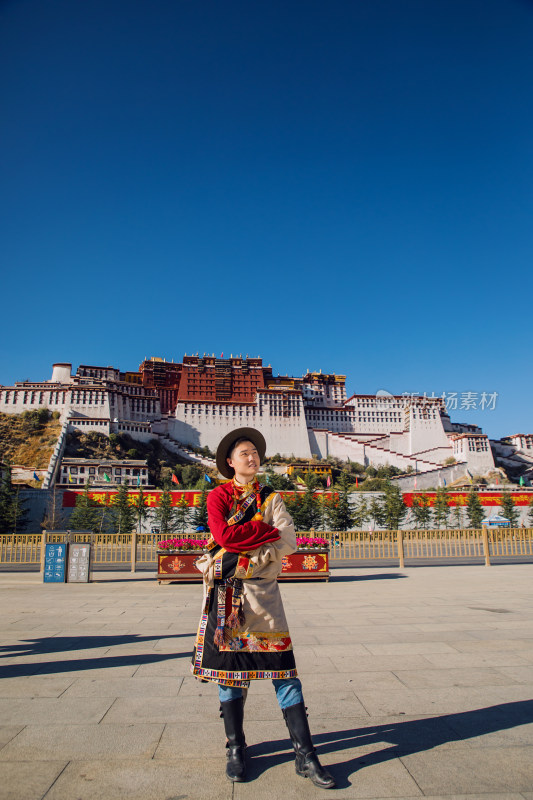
point(232, 713)
point(307, 763)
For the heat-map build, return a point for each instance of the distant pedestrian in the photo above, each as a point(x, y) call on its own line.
point(243, 633)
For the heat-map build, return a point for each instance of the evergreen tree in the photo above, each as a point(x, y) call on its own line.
point(394, 508)
point(293, 504)
point(182, 514)
point(361, 513)
point(474, 510)
point(54, 518)
point(278, 482)
point(87, 513)
point(199, 515)
point(509, 509)
point(311, 510)
point(458, 515)
point(441, 509)
point(339, 514)
point(165, 514)
point(305, 510)
point(191, 475)
point(140, 509)
point(376, 511)
point(421, 511)
point(12, 511)
point(122, 511)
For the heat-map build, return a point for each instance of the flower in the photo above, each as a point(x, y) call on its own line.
point(307, 541)
point(182, 544)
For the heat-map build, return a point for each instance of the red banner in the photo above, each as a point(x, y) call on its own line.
point(192, 497)
point(105, 497)
point(151, 498)
point(461, 498)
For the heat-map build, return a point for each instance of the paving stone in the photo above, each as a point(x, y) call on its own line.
point(489, 769)
point(350, 681)
point(273, 775)
point(206, 738)
point(162, 709)
point(47, 710)
point(475, 660)
point(366, 724)
point(8, 732)
point(503, 633)
point(421, 678)
point(518, 674)
point(124, 687)
point(369, 663)
point(409, 648)
point(143, 779)
point(74, 670)
point(167, 667)
point(428, 701)
point(45, 742)
point(395, 734)
point(28, 781)
point(492, 644)
point(34, 687)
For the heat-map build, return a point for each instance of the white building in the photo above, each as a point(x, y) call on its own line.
point(205, 397)
point(102, 472)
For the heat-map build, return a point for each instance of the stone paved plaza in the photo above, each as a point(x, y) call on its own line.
point(419, 684)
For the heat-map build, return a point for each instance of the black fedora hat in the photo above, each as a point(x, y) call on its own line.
point(250, 435)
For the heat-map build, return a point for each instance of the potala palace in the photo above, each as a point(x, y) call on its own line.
point(197, 401)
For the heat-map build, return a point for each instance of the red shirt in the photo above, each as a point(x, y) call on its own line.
point(240, 537)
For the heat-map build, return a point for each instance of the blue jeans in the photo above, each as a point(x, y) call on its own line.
point(288, 692)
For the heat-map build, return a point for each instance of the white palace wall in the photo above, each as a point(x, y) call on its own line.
point(204, 424)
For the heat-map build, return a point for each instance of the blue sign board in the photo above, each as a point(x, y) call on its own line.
point(55, 561)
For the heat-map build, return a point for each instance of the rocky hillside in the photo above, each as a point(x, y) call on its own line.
point(161, 462)
point(28, 439)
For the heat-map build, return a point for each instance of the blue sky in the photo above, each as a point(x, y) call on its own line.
point(344, 186)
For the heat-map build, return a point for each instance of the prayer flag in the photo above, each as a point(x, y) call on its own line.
point(415, 481)
point(328, 482)
point(208, 479)
point(300, 481)
point(356, 481)
point(521, 480)
point(175, 479)
point(36, 477)
point(138, 480)
point(70, 478)
point(445, 481)
point(106, 476)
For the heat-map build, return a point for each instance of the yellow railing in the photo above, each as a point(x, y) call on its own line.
point(140, 550)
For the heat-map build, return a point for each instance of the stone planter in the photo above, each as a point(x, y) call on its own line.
point(178, 565)
point(309, 563)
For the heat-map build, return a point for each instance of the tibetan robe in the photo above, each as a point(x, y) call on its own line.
point(243, 633)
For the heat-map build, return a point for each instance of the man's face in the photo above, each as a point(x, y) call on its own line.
point(245, 461)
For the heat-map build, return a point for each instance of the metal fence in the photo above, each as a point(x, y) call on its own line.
point(139, 550)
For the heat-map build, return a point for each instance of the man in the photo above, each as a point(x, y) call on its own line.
point(243, 633)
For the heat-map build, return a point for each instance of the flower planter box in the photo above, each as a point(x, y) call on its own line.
point(178, 565)
point(306, 564)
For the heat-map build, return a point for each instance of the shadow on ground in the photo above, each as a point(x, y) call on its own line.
point(46, 646)
point(396, 739)
point(382, 576)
